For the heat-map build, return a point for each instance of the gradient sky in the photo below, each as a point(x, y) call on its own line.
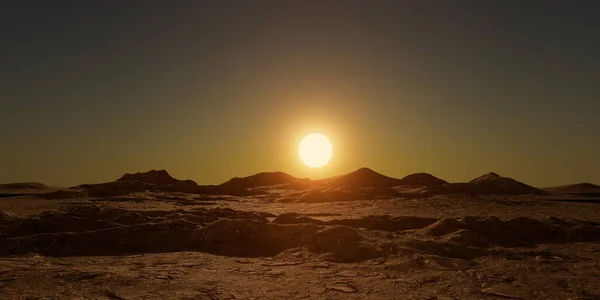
point(209, 90)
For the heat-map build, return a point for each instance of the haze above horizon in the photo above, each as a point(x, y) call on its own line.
point(212, 90)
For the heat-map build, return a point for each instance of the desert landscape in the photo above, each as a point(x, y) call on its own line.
point(314, 149)
point(361, 235)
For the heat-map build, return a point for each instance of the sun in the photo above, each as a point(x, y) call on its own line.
point(315, 150)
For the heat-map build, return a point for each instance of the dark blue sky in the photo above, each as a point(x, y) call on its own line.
point(214, 89)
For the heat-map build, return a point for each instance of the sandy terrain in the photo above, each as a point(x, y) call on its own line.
point(276, 242)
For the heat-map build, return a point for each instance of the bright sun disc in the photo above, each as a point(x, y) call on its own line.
point(315, 150)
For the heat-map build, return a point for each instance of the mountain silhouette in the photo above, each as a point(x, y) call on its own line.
point(421, 179)
point(23, 186)
point(153, 177)
point(492, 183)
point(258, 180)
point(363, 177)
point(152, 181)
point(162, 181)
point(578, 188)
point(486, 177)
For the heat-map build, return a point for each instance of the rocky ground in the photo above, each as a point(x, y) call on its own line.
point(159, 245)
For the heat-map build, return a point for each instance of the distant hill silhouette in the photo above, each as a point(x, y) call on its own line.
point(487, 184)
point(154, 181)
point(24, 188)
point(421, 179)
point(493, 183)
point(363, 177)
point(259, 180)
point(154, 177)
point(20, 186)
point(421, 183)
point(486, 178)
point(579, 188)
point(39, 190)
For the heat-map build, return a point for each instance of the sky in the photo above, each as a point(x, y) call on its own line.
point(209, 90)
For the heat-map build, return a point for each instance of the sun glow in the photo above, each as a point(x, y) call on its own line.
point(315, 150)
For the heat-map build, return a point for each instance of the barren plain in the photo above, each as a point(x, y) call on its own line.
point(271, 236)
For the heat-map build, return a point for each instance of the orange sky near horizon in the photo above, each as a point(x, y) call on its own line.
point(213, 90)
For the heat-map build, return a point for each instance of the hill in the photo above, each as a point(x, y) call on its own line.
point(421, 179)
point(363, 177)
point(20, 186)
point(153, 181)
point(24, 188)
point(159, 177)
point(492, 183)
point(259, 180)
point(578, 188)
